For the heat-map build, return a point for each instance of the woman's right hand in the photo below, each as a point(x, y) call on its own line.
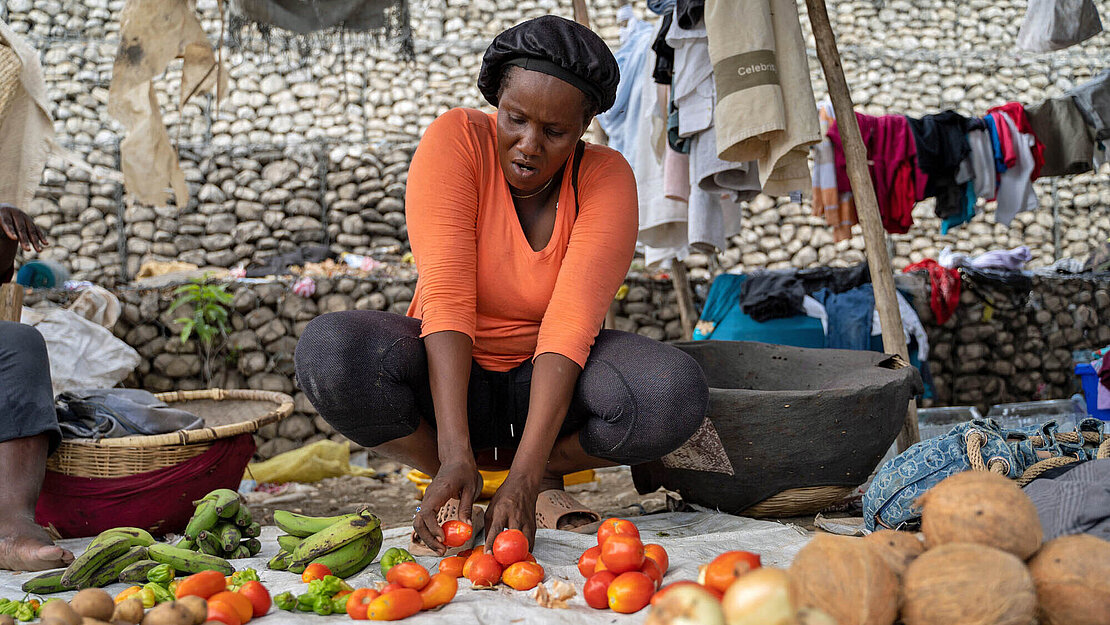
point(457, 479)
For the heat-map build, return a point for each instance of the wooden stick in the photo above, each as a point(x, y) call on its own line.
point(581, 13)
point(11, 302)
point(686, 311)
point(882, 279)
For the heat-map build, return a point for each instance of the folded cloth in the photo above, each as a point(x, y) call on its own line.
point(1011, 260)
point(1074, 499)
point(118, 412)
point(835, 279)
point(765, 105)
point(944, 284)
point(771, 295)
point(1069, 143)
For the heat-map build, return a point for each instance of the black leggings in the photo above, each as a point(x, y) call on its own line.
point(26, 396)
point(366, 372)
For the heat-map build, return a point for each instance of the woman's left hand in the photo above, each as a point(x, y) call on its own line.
point(513, 507)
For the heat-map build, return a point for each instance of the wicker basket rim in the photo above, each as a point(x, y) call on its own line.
point(203, 435)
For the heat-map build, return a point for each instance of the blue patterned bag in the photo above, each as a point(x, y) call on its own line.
point(891, 499)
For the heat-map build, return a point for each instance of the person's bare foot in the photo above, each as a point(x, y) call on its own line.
point(24, 546)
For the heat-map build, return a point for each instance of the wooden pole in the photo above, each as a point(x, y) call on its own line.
point(686, 311)
point(11, 302)
point(581, 13)
point(882, 279)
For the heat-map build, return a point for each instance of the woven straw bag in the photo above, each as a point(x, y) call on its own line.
point(10, 69)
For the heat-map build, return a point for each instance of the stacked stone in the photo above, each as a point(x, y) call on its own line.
point(365, 200)
point(1003, 347)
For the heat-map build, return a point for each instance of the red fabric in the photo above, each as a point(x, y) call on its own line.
point(945, 288)
point(1009, 154)
point(1017, 113)
point(892, 158)
point(159, 501)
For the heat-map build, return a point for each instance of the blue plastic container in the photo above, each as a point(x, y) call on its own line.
point(1089, 377)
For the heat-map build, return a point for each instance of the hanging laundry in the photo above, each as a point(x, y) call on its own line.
point(1015, 189)
point(771, 295)
point(1057, 24)
point(1069, 142)
point(1093, 100)
point(982, 159)
point(621, 122)
point(1007, 260)
point(664, 53)
point(837, 207)
point(849, 317)
point(996, 149)
point(892, 156)
point(1017, 114)
point(689, 12)
point(942, 145)
point(765, 105)
point(944, 284)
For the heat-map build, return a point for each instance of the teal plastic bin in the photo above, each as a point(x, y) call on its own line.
point(1089, 377)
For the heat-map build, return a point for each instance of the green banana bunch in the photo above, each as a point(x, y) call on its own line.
point(254, 530)
point(336, 536)
point(101, 551)
point(253, 546)
point(204, 518)
point(243, 516)
point(46, 583)
point(208, 542)
point(227, 502)
point(348, 564)
point(140, 537)
point(186, 561)
point(228, 536)
point(110, 572)
point(304, 526)
point(136, 572)
point(289, 543)
point(279, 561)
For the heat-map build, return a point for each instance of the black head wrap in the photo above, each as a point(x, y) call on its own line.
point(557, 46)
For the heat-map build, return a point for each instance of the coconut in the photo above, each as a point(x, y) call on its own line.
point(981, 507)
point(1072, 576)
point(846, 578)
point(898, 549)
point(969, 584)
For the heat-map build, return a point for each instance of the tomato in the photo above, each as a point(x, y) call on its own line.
point(440, 589)
point(394, 606)
point(596, 590)
point(223, 613)
point(203, 585)
point(630, 592)
point(456, 533)
point(587, 562)
point(510, 546)
point(725, 568)
point(258, 596)
point(599, 566)
point(523, 575)
point(529, 558)
point(622, 554)
point(651, 569)
point(477, 551)
point(315, 571)
point(240, 603)
point(408, 574)
point(659, 554)
point(484, 570)
point(452, 566)
point(388, 588)
point(612, 527)
point(358, 601)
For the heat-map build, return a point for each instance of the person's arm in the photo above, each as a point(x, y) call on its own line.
point(16, 230)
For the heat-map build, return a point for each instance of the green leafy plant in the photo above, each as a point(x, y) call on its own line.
point(210, 303)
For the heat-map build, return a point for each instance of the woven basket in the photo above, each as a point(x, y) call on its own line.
point(799, 501)
point(226, 413)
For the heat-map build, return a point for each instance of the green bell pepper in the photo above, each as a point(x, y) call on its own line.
point(161, 594)
point(339, 604)
point(394, 556)
point(238, 578)
point(322, 606)
point(25, 613)
point(285, 601)
point(10, 608)
point(306, 601)
point(161, 574)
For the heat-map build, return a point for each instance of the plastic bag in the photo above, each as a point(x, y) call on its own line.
point(82, 353)
point(310, 463)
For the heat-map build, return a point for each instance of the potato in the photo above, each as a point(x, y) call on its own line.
point(1072, 576)
point(170, 613)
point(93, 603)
point(92, 621)
point(129, 610)
point(60, 611)
point(197, 607)
point(981, 507)
point(6, 620)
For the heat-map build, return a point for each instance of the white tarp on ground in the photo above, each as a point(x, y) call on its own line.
point(690, 539)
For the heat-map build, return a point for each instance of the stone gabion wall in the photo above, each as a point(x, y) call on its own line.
point(314, 148)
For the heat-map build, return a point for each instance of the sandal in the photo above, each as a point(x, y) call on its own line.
point(450, 511)
point(556, 510)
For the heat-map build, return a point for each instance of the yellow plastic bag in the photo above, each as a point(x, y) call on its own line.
point(492, 480)
point(310, 463)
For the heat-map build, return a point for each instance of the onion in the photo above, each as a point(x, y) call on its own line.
point(687, 604)
point(761, 597)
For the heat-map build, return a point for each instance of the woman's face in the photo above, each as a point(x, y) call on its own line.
point(540, 119)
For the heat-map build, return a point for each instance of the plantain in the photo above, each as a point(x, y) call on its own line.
point(243, 516)
point(294, 567)
point(228, 536)
point(110, 572)
point(242, 551)
point(208, 542)
point(139, 537)
point(186, 561)
point(254, 530)
point(351, 558)
point(253, 546)
point(289, 543)
point(136, 572)
point(101, 552)
point(279, 562)
point(305, 526)
point(186, 543)
point(46, 583)
point(336, 536)
point(204, 518)
point(227, 502)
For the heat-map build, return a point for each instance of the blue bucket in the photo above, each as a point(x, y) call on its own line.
point(1089, 377)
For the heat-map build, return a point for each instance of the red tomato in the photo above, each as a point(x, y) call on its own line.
point(630, 592)
point(622, 554)
point(452, 566)
point(408, 574)
point(484, 570)
point(651, 569)
point(358, 601)
point(456, 533)
point(440, 590)
point(394, 606)
point(599, 566)
point(388, 588)
point(223, 613)
point(659, 554)
point(202, 585)
point(529, 558)
point(596, 590)
point(587, 562)
point(725, 568)
point(258, 595)
point(240, 603)
point(510, 546)
point(612, 527)
point(523, 575)
point(477, 551)
point(315, 571)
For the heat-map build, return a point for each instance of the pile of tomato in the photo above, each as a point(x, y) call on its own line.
point(227, 604)
point(509, 562)
point(621, 572)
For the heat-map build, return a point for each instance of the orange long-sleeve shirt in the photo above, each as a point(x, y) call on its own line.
point(477, 273)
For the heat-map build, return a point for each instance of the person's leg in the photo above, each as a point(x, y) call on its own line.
point(366, 373)
point(27, 425)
